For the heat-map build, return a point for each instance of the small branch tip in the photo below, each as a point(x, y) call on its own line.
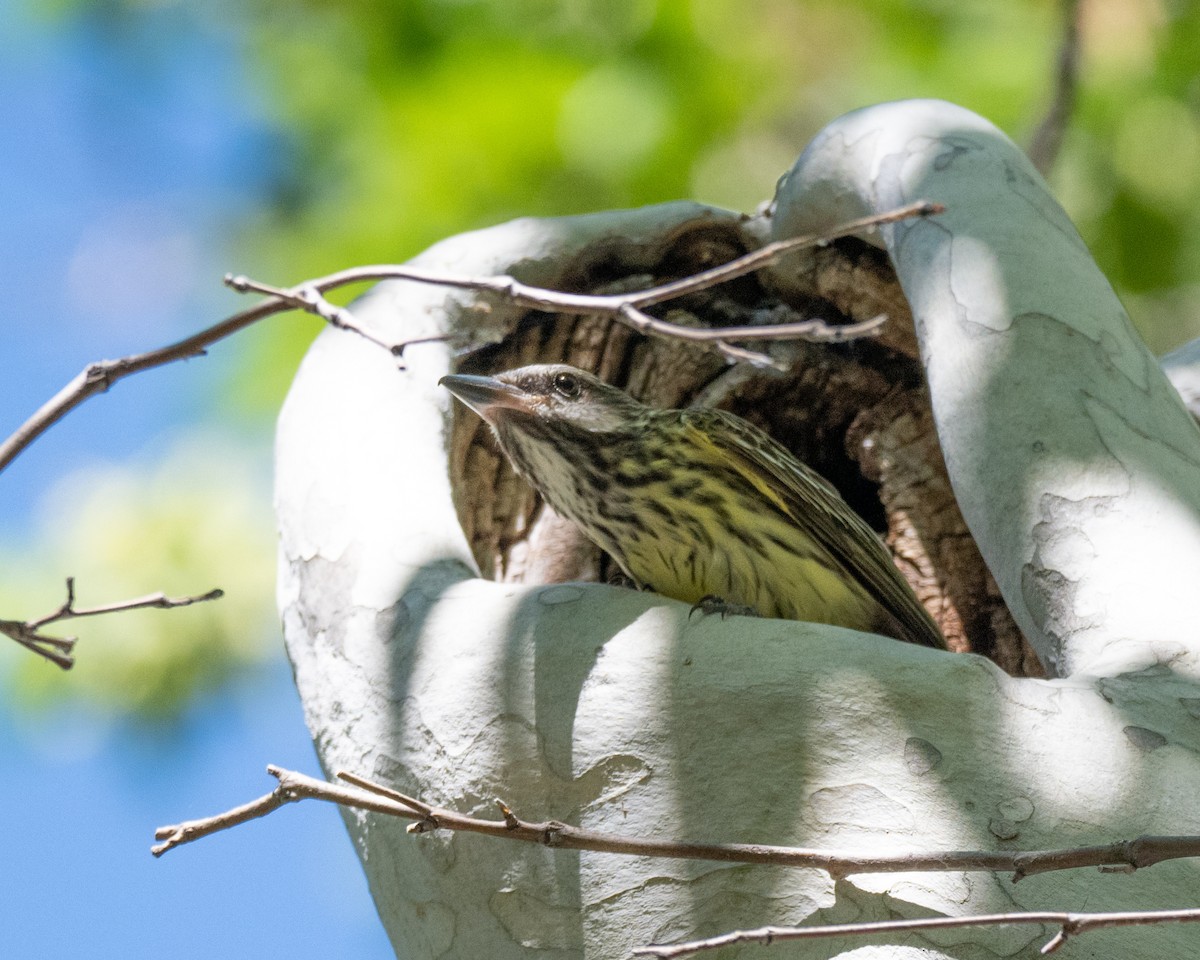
point(510, 818)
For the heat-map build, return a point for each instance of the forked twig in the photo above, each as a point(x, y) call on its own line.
point(98, 377)
point(627, 308)
point(1125, 856)
point(58, 650)
point(365, 794)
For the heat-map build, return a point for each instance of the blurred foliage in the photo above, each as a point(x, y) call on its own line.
point(126, 531)
point(408, 121)
point(417, 119)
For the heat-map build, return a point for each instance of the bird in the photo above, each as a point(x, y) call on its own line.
point(698, 505)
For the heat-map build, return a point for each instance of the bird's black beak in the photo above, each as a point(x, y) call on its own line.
point(487, 396)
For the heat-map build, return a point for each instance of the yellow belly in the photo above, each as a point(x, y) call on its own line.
point(777, 571)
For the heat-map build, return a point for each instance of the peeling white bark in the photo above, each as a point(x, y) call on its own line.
point(1073, 459)
point(610, 709)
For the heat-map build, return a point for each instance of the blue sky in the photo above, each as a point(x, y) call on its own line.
point(79, 880)
point(119, 176)
point(127, 156)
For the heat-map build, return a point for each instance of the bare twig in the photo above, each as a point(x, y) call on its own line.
point(367, 795)
point(412, 803)
point(1070, 924)
point(1048, 137)
point(58, 649)
point(1126, 856)
point(292, 787)
point(626, 307)
point(307, 297)
point(98, 377)
point(1123, 857)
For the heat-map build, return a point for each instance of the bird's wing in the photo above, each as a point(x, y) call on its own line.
point(817, 509)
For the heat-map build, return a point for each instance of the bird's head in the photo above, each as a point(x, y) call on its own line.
point(553, 396)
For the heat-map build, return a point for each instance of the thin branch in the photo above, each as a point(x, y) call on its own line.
point(97, 377)
point(55, 649)
point(307, 297)
point(159, 601)
point(1126, 856)
point(1070, 924)
point(772, 252)
point(625, 308)
point(1047, 138)
point(412, 803)
point(367, 795)
point(58, 649)
point(1122, 857)
point(293, 786)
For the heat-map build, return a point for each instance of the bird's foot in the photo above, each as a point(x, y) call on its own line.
point(713, 604)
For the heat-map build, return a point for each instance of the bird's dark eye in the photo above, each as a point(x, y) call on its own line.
point(567, 385)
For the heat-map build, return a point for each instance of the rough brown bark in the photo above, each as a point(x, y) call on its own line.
point(857, 412)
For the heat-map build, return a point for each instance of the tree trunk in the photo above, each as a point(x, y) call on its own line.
point(1021, 395)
